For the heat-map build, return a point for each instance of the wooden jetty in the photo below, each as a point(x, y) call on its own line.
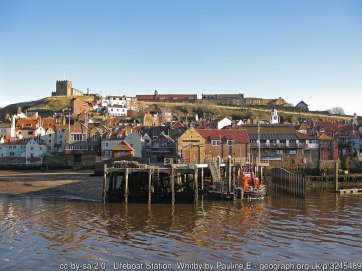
point(287, 182)
point(129, 181)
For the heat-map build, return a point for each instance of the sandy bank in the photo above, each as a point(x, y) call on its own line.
point(64, 183)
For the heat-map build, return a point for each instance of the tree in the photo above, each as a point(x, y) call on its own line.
point(336, 111)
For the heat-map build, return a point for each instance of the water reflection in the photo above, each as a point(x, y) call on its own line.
point(322, 227)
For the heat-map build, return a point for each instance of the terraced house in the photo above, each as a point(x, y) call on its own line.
point(83, 142)
point(282, 146)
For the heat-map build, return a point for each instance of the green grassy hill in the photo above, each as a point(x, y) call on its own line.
point(210, 110)
point(45, 106)
point(205, 110)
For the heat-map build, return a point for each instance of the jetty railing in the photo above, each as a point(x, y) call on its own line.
point(286, 182)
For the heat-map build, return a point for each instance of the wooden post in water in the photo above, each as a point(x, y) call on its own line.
point(218, 163)
point(172, 184)
point(104, 183)
point(126, 185)
point(336, 175)
point(229, 173)
point(202, 179)
point(196, 187)
point(149, 185)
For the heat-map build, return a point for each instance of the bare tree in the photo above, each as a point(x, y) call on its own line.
point(336, 111)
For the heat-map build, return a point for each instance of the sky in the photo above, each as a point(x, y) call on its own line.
point(298, 50)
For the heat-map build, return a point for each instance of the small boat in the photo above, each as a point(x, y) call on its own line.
point(251, 187)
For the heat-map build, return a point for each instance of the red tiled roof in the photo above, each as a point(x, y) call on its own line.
point(26, 123)
point(24, 141)
point(16, 142)
point(61, 127)
point(239, 136)
point(177, 125)
point(327, 125)
point(325, 137)
point(113, 135)
point(48, 122)
point(25, 129)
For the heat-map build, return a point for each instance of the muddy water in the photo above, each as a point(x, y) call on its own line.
point(40, 233)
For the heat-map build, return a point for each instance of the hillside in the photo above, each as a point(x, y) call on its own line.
point(45, 106)
point(209, 111)
point(205, 110)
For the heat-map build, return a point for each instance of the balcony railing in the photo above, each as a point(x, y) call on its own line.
point(277, 145)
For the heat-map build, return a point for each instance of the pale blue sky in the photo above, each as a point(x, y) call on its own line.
point(299, 50)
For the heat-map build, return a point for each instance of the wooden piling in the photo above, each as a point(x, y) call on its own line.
point(104, 183)
point(229, 173)
point(149, 185)
point(202, 179)
point(218, 163)
point(196, 188)
point(172, 185)
point(126, 185)
point(336, 175)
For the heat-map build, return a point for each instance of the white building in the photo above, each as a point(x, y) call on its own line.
point(108, 142)
point(117, 111)
point(49, 139)
point(137, 143)
point(223, 123)
point(60, 139)
point(274, 118)
point(8, 129)
point(129, 102)
point(14, 148)
point(35, 151)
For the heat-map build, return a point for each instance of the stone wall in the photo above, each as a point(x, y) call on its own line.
point(55, 161)
point(12, 160)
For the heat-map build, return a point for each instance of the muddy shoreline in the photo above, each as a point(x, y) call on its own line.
point(79, 184)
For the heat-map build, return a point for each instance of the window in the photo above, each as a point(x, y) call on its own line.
point(31, 148)
point(106, 144)
point(50, 141)
point(77, 137)
point(215, 142)
point(230, 142)
point(293, 152)
point(30, 133)
point(279, 152)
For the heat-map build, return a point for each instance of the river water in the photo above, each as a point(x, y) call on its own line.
point(40, 233)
